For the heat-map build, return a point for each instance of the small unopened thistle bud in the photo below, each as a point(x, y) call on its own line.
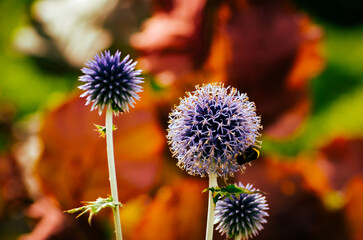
point(210, 127)
point(111, 82)
point(241, 216)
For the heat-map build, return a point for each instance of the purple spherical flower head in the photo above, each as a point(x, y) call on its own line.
point(209, 127)
point(110, 81)
point(241, 215)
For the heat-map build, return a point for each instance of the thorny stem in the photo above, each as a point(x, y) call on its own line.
point(210, 218)
point(112, 172)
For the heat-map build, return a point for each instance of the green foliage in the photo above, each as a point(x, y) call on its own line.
point(102, 129)
point(94, 207)
point(220, 193)
point(337, 95)
point(23, 84)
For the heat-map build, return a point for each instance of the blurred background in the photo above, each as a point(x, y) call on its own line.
point(300, 61)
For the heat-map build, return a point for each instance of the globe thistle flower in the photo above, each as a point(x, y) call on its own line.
point(210, 127)
point(110, 81)
point(242, 216)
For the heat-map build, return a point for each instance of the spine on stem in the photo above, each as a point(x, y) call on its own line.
point(210, 217)
point(112, 173)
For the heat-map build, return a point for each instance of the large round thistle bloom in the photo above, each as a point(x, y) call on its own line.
point(241, 216)
point(209, 127)
point(110, 81)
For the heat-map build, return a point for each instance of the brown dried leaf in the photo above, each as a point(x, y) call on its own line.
point(341, 161)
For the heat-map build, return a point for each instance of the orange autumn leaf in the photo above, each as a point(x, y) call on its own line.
point(309, 61)
point(307, 169)
point(132, 213)
point(354, 207)
point(313, 175)
point(281, 171)
point(344, 160)
point(296, 207)
point(265, 48)
point(329, 170)
point(73, 166)
point(269, 50)
point(175, 43)
point(177, 212)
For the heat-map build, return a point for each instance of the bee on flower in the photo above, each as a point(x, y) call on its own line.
point(210, 127)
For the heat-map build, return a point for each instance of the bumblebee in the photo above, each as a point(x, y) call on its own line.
point(251, 153)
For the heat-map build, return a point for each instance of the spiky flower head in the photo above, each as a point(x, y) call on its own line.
point(111, 82)
point(209, 127)
point(241, 216)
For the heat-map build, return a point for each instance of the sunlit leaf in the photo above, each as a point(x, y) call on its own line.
point(178, 211)
point(273, 70)
point(102, 129)
point(219, 193)
point(73, 166)
point(94, 207)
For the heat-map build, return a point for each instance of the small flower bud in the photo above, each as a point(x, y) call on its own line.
point(111, 82)
point(241, 216)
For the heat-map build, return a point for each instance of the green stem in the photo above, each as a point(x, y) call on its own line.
point(210, 218)
point(112, 172)
point(239, 237)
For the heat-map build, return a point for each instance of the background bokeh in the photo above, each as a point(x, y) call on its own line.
point(300, 61)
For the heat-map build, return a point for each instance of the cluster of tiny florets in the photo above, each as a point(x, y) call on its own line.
point(241, 215)
point(209, 127)
point(111, 82)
